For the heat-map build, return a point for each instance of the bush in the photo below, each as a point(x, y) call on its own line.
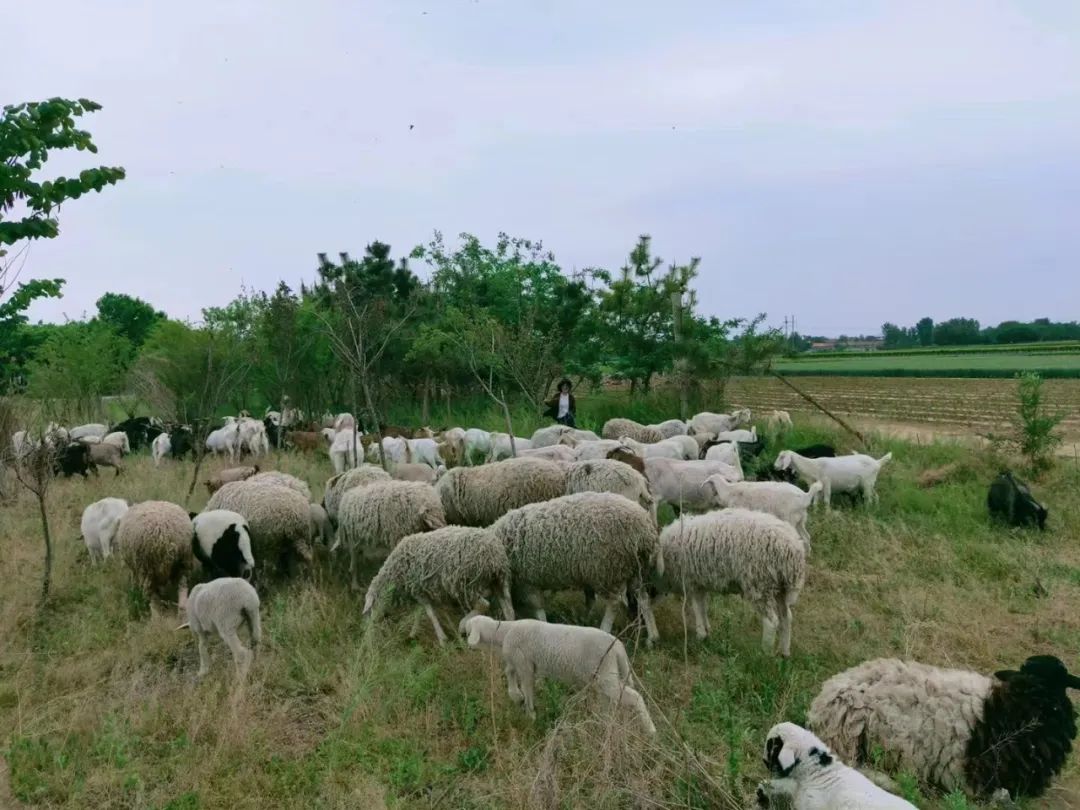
point(1036, 436)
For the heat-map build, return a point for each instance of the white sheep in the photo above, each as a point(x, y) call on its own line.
point(98, 526)
point(591, 540)
point(737, 435)
point(778, 421)
point(343, 421)
point(343, 448)
point(856, 472)
point(592, 451)
point(677, 447)
point(808, 776)
point(223, 606)
point(225, 440)
point(154, 541)
point(952, 728)
point(95, 430)
point(252, 437)
point(708, 422)
point(424, 451)
point(617, 428)
point(478, 496)
point(453, 565)
point(727, 452)
point(453, 445)
point(582, 657)
point(119, 439)
point(738, 551)
point(553, 434)
point(679, 483)
point(321, 527)
point(395, 448)
point(477, 442)
point(500, 446)
point(372, 519)
point(278, 478)
point(786, 501)
point(160, 447)
point(555, 452)
point(671, 427)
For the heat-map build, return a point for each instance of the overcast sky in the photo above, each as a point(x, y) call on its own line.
point(845, 162)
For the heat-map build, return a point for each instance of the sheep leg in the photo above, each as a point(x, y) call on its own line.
point(646, 612)
point(537, 602)
point(182, 595)
point(609, 614)
point(697, 604)
point(505, 602)
point(703, 599)
point(204, 655)
point(785, 628)
point(525, 681)
point(769, 620)
point(826, 492)
point(513, 688)
point(439, 633)
point(354, 584)
point(240, 653)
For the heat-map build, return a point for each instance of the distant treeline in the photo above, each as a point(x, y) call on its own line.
point(954, 332)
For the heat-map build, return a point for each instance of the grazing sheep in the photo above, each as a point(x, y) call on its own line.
point(786, 501)
point(618, 428)
point(671, 427)
point(119, 439)
point(807, 776)
point(222, 543)
point(321, 527)
point(106, 455)
point(279, 520)
point(738, 551)
point(99, 522)
point(416, 472)
point(554, 434)
point(595, 540)
point(626, 456)
point(478, 496)
point(477, 443)
point(160, 448)
point(154, 539)
point(581, 657)
point(96, 431)
point(591, 451)
point(337, 486)
point(227, 476)
point(951, 728)
point(224, 606)
point(680, 483)
point(555, 452)
point(727, 452)
point(1011, 502)
point(852, 473)
point(281, 479)
point(500, 446)
point(707, 422)
point(374, 518)
point(610, 476)
point(453, 446)
point(677, 447)
point(741, 436)
point(453, 565)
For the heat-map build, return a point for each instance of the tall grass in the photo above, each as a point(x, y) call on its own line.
point(99, 706)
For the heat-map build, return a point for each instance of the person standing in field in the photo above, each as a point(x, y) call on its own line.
point(562, 406)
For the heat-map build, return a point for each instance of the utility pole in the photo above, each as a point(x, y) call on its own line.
point(680, 362)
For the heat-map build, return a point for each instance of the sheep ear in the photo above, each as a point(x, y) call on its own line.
point(1006, 675)
point(192, 515)
point(786, 758)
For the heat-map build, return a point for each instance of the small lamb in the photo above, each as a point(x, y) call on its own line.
point(222, 606)
point(809, 776)
point(98, 525)
point(575, 656)
point(842, 473)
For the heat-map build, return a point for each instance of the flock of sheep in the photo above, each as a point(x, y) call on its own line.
point(568, 510)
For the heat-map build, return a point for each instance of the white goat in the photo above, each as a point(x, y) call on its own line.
point(786, 501)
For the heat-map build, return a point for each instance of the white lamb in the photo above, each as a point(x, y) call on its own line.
point(677, 447)
point(395, 448)
point(225, 440)
point(707, 422)
point(99, 522)
point(424, 451)
point(576, 656)
point(344, 446)
point(160, 448)
point(808, 776)
point(856, 472)
point(786, 501)
point(224, 606)
point(500, 446)
point(477, 443)
point(680, 483)
point(779, 421)
point(737, 435)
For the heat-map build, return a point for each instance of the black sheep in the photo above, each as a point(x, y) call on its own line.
point(74, 459)
point(1010, 501)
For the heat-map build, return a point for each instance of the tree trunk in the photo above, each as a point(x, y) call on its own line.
point(425, 402)
point(378, 422)
point(200, 454)
point(356, 415)
point(509, 424)
point(449, 417)
point(46, 578)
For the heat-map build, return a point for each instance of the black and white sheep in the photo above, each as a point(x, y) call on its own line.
point(224, 606)
point(222, 543)
point(278, 518)
point(452, 565)
point(952, 728)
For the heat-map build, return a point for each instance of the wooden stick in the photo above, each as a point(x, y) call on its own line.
point(820, 407)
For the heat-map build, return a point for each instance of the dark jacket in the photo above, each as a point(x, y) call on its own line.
point(553, 406)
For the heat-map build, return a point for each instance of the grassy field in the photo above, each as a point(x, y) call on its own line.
point(967, 363)
point(99, 706)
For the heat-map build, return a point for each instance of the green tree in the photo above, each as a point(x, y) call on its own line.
point(78, 365)
point(957, 332)
point(925, 331)
point(1036, 434)
point(130, 317)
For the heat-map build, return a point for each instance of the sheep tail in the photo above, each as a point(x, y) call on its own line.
point(815, 492)
point(885, 459)
point(251, 616)
point(184, 626)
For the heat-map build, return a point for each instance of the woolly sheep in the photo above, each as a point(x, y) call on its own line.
point(222, 543)
point(478, 496)
point(618, 428)
point(374, 518)
point(321, 527)
point(500, 446)
point(786, 501)
point(842, 474)
point(595, 540)
point(952, 728)
point(337, 486)
point(737, 551)
point(278, 478)
point(807, 776)
point(154, 540)
point(119, 439)
point(453, 446)
point(607, 475)
point(98, 526)
point(452, 565)
point(279, 520)
point(582, 657)
point(671, 427)
point(107, 455)
point(416, 472)
point(679, 483)
point(160, 448)
point(224, 606)
point(228, 475)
